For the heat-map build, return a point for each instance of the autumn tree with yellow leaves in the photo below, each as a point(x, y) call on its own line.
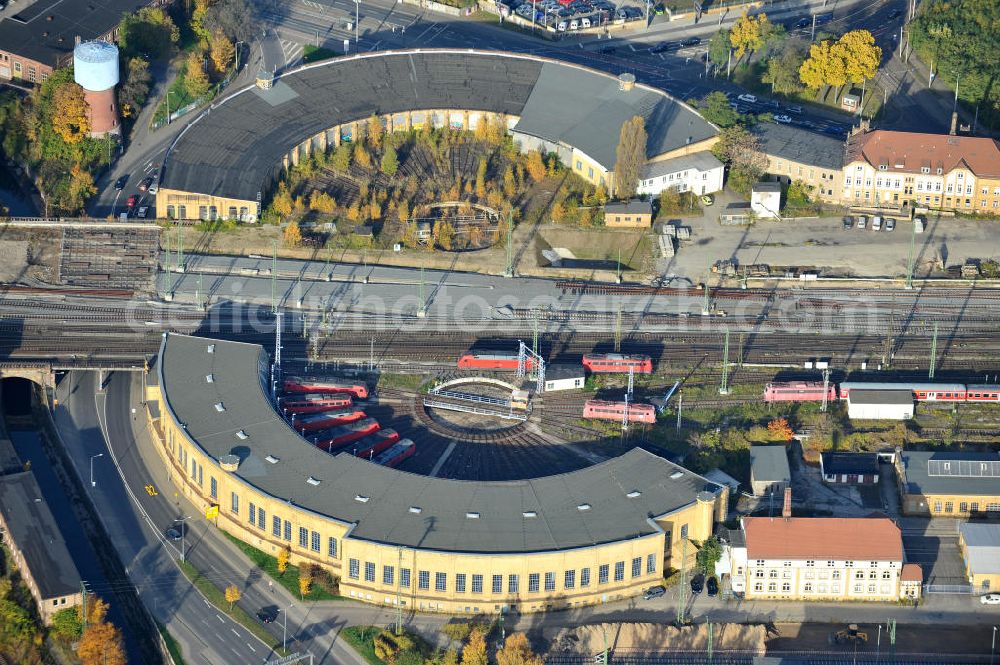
point(195, 78)
point(517, 651)
point(233, 595)
point(749, 33)
point(853, 58)
point(222, 53)
point(69, 113)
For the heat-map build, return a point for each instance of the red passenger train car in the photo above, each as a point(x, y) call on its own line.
point(344, 434)
point(371, 445)
point(617, 362)
point(316, 421)
point(982, 393)
point(490, 360)
point(399, 452)
point(798, 391)
point(601, 410)
point(307, 384)
point(314, 403)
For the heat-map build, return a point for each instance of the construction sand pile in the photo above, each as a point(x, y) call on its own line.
point(656, 637)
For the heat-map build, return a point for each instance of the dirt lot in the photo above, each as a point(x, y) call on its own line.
point(909, 639)
point(27, 255)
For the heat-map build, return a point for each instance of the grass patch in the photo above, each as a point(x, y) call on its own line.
point(414, 382)
point(172, 646)
point(290, 580)
point(312, 53)
point(217, 226)
point(361, 639)
point(217, 597)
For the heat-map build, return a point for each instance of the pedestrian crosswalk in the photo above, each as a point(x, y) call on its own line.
point(292, 51)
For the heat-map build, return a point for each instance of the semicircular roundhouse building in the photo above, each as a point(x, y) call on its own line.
point(586, 537)
point(223, 165)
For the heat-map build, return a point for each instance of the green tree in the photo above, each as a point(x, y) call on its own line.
point(630, 156)
point(718, 48)
point(66, 624)
point(740, 151)
point(709, 553)
point(341, 161)
point(195, 78)
point(390, 161)
point(783, 68)
point(148, 32)
point(15, 622)
point(133, 90)
point(715, 108)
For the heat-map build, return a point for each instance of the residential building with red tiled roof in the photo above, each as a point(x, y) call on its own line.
point(911, 169)
point(817, 558)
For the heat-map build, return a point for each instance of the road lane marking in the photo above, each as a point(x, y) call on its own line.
point(221, 620)
point(251, 648)
point(234, 632)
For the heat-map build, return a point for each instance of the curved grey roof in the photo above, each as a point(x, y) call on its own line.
point(235, 148)
point(537, 515)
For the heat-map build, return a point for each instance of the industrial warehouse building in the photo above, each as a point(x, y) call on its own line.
point(849, 468)
point(226, 161)
point(949, 484)
point(880, 404)
point(598, 534)
point(980, 547)
point(36, 545)
point(769, 472)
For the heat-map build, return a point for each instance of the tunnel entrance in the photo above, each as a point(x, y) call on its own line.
point(16, 395)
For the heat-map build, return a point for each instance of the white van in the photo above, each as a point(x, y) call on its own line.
point(574, 25)
point(562, 26)
point(585, 22)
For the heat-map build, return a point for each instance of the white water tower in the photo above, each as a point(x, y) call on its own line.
point(95, 69)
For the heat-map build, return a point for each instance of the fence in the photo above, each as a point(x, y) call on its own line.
point(965, 589)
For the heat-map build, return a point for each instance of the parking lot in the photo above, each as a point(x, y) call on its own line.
point(572, 15)
point(825, 244)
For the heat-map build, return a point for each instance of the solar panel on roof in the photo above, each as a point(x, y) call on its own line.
point(964, 468)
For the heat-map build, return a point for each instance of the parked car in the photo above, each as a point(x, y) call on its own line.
point(120, 183)
point(876, 223)
point(131, 201)
point(783, 119)
point(713, 586)
point(748, 98)
point(145, 183)
point(707, 200)
point(803, 23)
point(797, 110)
point(267, 614)
point(697, 583)
point(890, 224)
point(862, 222)
point(848, 222)
point(691, 41)
point(824, 18)
point(654, 592)
point(990, 599)
point(173, 533)
point(142, 212)
point(608, 49)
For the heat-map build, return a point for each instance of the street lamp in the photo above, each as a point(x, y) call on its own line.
point(238, 43)
point(993, 645)
point(284, 625)
point(168, 107)
point(357, 18)
point(183, 522)
point(93, 483)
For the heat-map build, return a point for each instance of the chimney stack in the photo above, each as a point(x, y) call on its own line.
point(954, 123)
point(786, 507)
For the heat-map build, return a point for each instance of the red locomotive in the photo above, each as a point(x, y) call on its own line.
point(317, 421)
point(399, 452)
point(314, 403)
point(307, 384)
point(617, 362)
point(489, 360)
point(798, 391)
point(344, 434)
point(601, 410)
point(373, 444)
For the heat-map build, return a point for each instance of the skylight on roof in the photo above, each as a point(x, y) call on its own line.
point(529, 514)
point(472, 516)
point(583, 506)
point(211, 348)
point(676, 474)
point(242, 435)
point(361, 499)
point(219, 407)
point(416, 510)
point(272, 459)
point(312, 481)
point(634, 494)
point(209, 378)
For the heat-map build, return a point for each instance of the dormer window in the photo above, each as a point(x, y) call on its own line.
point(940, 170)
point(883, 167)
point(925, 169)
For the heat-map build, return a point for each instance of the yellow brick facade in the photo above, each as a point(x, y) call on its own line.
point(380, 573)
point(941, 505)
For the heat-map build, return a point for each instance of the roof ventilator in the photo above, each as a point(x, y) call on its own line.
point(361, 499)
point(242, 435)
point(211, 348)
point(313, 481)
point(272, 459)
